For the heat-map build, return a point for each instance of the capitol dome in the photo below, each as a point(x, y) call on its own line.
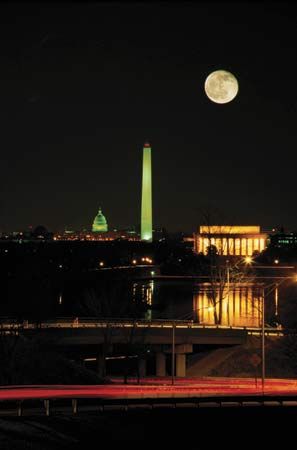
point(100, 223)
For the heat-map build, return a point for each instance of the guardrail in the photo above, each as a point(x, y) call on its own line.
point(73, 405)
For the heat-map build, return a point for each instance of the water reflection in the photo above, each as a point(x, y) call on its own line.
point(241, 305)
point(276, 300)
point(143, 294)
point(275, 320)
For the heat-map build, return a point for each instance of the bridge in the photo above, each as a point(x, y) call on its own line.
point(11, 325)
point(164, 337)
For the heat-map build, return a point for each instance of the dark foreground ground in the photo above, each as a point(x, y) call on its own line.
point(159, 428)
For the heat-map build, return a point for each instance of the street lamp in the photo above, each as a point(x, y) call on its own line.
point(263, 335)
point(275, 286)
point(248, 259)
point(173, 353)
point(228, 285)
point(228, 281)
point(263, 341)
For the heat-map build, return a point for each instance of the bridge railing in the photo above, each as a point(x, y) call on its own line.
point(12, 324)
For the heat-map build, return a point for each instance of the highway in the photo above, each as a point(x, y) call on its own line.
point(153, 388)
point(153, 412)
point(150, 393)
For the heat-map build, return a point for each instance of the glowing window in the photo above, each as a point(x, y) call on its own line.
point(262, 244)
point(237, 246)
point(243, 247)
point(231, 246)
point(256, 244)
point(206, 245)
point(200, 245)
point(250, 247)
point(225, 247)
point(218, 244)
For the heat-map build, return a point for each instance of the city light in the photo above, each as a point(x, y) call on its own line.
point(146, 259)
point(248, 259)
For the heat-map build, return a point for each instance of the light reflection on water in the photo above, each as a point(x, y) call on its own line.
point(193, 301)
point(144, 293)
point(240, 307)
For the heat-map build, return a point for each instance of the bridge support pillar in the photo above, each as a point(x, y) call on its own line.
point(181, 365)
point(160, 364)
point(142, 367)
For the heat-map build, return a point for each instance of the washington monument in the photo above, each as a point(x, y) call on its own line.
point(146, 197)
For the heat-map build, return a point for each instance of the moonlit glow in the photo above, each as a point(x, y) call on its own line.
point(221, 86)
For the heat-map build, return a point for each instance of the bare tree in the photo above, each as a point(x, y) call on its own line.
point(225, 271)
point(110, 300)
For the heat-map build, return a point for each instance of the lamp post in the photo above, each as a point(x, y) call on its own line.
point(248, 260)
point(228, 288)
point(173, 353)
point(275, 286)
point(263, 341)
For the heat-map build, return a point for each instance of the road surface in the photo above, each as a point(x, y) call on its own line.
point(153, 388)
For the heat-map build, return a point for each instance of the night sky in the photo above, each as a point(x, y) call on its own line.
point(83, 86)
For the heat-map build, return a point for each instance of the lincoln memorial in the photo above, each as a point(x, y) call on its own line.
point(230, 240)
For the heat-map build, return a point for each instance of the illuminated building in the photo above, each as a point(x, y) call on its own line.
point(230, 240)
point(100, 224)
point(146, 198)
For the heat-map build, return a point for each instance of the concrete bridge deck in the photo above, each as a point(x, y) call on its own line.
point(69, 330)
point(164, 337)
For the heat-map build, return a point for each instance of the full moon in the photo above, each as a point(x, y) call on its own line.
point(221, 86)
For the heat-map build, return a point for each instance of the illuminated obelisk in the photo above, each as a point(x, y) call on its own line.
point(146, 198)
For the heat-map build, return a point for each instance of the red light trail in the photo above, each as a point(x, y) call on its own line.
point(153, 388)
